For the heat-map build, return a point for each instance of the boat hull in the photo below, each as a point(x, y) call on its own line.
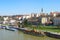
point(52, 35)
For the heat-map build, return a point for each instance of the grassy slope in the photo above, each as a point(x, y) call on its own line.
point(48, 28)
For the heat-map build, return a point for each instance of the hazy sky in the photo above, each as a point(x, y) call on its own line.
point(12, 7)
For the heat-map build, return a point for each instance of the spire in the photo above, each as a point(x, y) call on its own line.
point(41, 10)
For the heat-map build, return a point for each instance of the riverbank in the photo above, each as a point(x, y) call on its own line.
point(49, 28)
point(48, 31)
point(40, 33)
point(46, 28)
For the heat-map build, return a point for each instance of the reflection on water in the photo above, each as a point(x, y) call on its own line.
point(17, 35)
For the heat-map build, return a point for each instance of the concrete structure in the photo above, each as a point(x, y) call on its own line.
point(56, 21)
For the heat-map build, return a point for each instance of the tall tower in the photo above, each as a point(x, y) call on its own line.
point(42, 13)
point(41, 10)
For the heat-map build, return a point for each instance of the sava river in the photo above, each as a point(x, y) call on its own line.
point(18, 35)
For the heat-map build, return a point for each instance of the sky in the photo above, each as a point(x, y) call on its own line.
point(19, 7)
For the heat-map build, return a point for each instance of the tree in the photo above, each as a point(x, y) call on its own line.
point(19, 24)
point(25, 22)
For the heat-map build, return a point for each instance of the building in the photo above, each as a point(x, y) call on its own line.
point(44, 20)
point(34, 15)
point(26, 16)
point(6, 19)
point(55, 17)
point(54, 14)
point(56, 21)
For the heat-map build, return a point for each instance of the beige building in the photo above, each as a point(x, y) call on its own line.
point(44, 20)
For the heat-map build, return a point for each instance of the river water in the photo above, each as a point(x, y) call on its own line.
point(18, 35)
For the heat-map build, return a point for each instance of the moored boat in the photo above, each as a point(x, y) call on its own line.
point(11, 29)
point(32, 32)
point(52, 35)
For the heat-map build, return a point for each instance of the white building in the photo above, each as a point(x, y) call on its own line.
point(26, 16)
point(20, 18)
point(5, 20)
point(37, 15)
point(12, 22)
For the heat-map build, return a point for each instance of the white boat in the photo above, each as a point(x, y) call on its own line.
point(7, 27)
point(11, 29)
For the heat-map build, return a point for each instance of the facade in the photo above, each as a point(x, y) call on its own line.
point(5, 20)
point(13, 23)
point(26, 16)
point(34, 15)
point(37, 15)
point(56, 21)
point(54, 14)
point(44, 20)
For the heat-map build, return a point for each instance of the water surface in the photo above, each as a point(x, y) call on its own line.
point(18, 35)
